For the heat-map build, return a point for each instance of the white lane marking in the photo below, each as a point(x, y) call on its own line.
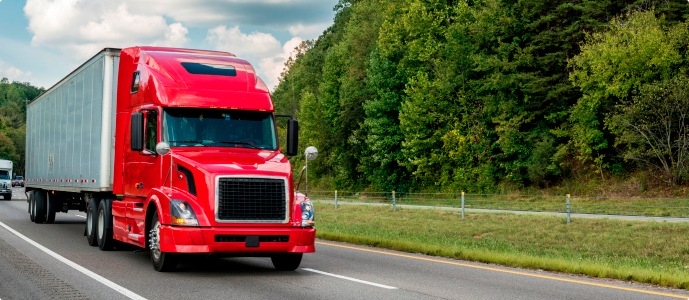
point(87, 272)
point(351, 279)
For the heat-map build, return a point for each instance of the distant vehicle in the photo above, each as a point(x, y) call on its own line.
point(6, 179)
point(18, 181)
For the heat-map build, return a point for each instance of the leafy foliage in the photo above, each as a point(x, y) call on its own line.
point(478, 95)
point(13, 99)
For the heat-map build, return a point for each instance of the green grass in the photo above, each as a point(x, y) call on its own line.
point(632, 206)
point(647, 252)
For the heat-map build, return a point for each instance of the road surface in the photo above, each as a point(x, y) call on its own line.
point(53, 261)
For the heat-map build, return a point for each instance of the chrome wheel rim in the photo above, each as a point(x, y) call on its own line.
point(89, 222)
point(101, 222)
point(154, 241)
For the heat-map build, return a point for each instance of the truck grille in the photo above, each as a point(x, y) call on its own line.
point(251, 200)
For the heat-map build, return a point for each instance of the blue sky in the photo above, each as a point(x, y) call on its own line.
point(41, 41)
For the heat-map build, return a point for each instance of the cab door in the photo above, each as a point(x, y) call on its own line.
point(142, 167)
point(142, 170)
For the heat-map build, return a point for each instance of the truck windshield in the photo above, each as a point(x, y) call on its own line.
point(188, 127)
point(4, 174)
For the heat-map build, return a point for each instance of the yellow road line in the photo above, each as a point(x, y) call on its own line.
point(506, 271)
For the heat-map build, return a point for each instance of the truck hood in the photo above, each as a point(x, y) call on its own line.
point(234, 161)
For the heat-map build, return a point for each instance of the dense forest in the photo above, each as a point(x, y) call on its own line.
point(422, 95)
point(13, 99)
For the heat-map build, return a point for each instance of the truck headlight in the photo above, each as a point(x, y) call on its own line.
point(307, 214)
point(181, 213)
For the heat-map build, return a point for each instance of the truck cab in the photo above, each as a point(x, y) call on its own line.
point(222, 183)
point(172, 150)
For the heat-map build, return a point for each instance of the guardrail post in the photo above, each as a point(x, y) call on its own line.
point(335, 198)
point(569, 209)
point(462, 204)
point(394, 204)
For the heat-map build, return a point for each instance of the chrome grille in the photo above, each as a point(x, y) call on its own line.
point(251, 199)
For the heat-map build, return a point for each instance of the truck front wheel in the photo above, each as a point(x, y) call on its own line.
point(286, 261)
point(162, 261)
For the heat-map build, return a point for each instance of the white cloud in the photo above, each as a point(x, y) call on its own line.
point(256, 44)
point(247, 12)
point(307, 31)
point(12, 73)
point(272, 66)
point(81, 28)
point(262, 50)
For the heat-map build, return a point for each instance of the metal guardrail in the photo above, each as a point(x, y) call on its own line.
point(564, 204)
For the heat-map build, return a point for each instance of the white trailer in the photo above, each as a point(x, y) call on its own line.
point(6, 167)
point(70, 138)
point(70, 130)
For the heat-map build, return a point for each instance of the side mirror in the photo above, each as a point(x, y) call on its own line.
point(292, 137)
point(311, 153)
point(137, 132)
point(162, 148)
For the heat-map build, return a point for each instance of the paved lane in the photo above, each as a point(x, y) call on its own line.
point(336, 271)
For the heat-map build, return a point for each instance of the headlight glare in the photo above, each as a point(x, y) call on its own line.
point(307, 214)
point(181, 213)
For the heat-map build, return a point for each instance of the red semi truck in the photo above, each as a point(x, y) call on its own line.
point(171, 150)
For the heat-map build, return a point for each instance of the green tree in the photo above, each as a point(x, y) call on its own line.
point(654, 128)
point(612, 67)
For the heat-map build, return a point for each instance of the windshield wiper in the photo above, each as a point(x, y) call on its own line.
point(188, 142)
point(241, 143)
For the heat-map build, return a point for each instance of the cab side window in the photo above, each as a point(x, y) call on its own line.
point(151, 131)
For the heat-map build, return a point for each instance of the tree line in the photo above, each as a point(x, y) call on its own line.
point(471, 95)
point(13, 99)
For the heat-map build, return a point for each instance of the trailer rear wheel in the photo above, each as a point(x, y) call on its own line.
point(286, 261)
point(50, 208)
point(39, 210)
point(162, 261)
point(30, 195)
point(104, 227)
point(91, 212)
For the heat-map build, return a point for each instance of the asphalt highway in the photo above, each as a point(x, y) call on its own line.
point(54, 261)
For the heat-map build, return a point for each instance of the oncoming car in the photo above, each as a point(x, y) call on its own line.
point(18, 181)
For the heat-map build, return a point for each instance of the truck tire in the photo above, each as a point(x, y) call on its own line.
point(162, 261)
point(104, 227)
point(30, 199)
point(39, 209)
point(50, 208)
point(91, 222)
point(286, 261)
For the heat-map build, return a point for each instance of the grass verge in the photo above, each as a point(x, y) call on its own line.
point(646, 252)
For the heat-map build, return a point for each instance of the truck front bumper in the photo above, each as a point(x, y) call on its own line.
point(237, 240)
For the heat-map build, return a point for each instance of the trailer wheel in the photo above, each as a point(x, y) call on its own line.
point(162, 261)
point(104, 227)
point(39, 210)
point(286, 261)
point(31, 209)
point(91, 212)
point(50, 209)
